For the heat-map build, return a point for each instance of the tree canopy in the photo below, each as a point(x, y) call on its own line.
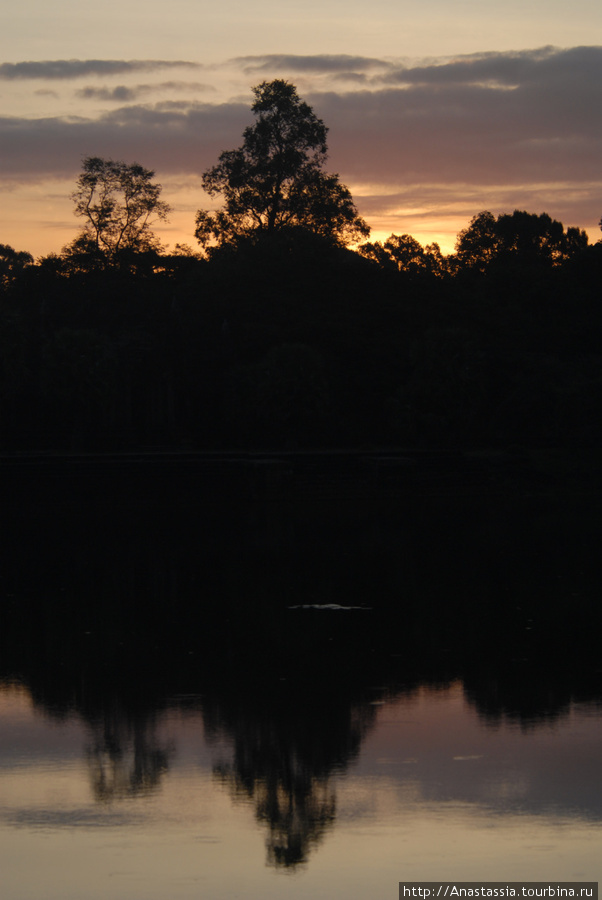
point(521, 236)
point(403, 253)
point(276, 180)
point(12, 263)
point(293, 342)
point(119, 203)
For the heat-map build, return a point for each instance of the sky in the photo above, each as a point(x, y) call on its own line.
point(436, 109)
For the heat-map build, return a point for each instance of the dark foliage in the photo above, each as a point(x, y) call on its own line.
point(275, 182)
point(119, 203)
point(293, 342)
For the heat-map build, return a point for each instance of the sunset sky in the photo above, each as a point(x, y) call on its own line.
point(437, 109)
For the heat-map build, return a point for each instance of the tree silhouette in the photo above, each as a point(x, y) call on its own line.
point(404, 253)
point(275, 180)
point(538, 237)
point(518, 237)
point(477, 244)
point(119, 203)
point(12, 263)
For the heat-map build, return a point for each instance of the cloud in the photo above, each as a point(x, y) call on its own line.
point(321, 63)
point(544, 65)
point(79, 68)
point(463, 128)
point(173, 137)
point(540, 124)
point(123, 93)
point(415, 206)
point(518, 127)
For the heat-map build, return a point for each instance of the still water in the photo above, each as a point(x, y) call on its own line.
point(203, 696)
point(196, 801)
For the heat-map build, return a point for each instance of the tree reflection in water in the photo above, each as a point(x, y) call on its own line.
point(298, 810)
point(125, 758)
point(285, 757)
point(112, 606)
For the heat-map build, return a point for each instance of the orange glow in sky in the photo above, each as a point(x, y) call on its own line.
point(436, 110)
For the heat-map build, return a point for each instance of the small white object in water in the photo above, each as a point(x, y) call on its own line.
point(326, 606)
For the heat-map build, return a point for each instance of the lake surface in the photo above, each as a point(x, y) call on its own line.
point(208, 697)
point(209, 802)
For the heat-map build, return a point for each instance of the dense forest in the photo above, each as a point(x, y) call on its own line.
point(287, 329)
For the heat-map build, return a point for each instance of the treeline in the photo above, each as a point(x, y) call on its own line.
point(289, 340)
point(276, 334)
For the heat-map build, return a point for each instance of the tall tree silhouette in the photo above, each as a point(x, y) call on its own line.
point(275, 180)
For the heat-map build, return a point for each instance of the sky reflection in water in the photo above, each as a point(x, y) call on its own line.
point(205, 800)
